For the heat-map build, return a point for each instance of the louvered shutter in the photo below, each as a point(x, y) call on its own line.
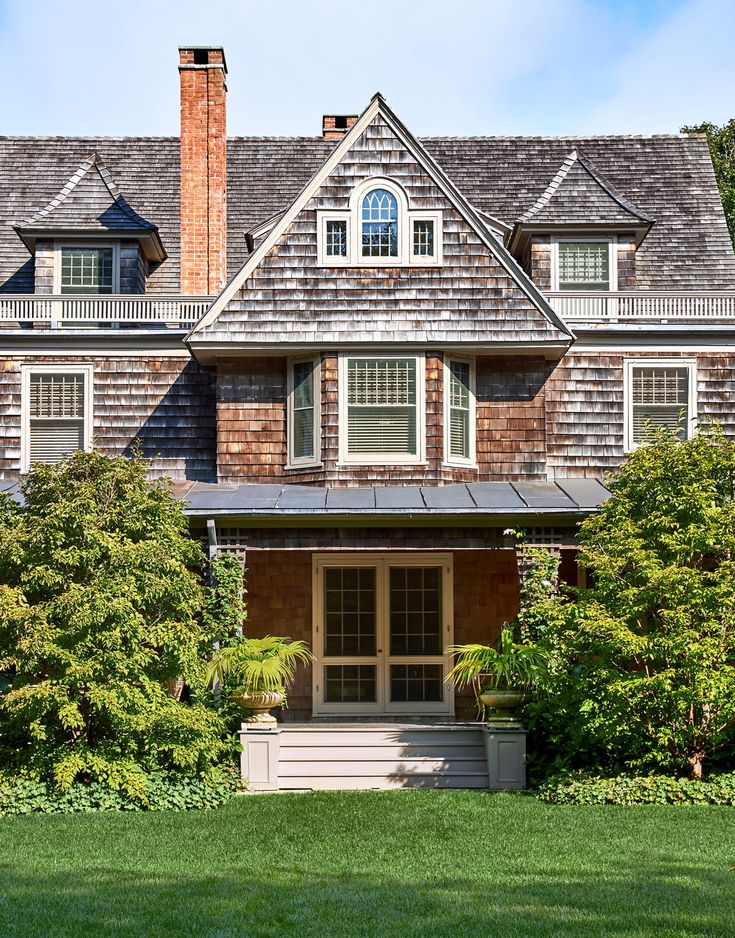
point(381, 406)
point(660, 399)
point(56, 416)
point(459, 410)
point(302, 444)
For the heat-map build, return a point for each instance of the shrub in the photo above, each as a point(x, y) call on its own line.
point(162, 791)
point(101, 600)
point(583, 788)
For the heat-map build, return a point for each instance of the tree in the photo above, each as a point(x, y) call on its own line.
point(100, 612)
point(722, 148)
point(642, 667)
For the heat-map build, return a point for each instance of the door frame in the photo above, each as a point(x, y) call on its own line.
point(381, 561)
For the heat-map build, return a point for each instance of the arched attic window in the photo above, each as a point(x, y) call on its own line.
point(379, 224)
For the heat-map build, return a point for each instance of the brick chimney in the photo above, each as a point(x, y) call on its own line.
point(202, 74)
point(337, 125)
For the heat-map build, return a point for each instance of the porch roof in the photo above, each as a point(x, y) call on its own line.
point(565, 497)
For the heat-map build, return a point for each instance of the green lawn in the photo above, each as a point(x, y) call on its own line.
point(378, 864)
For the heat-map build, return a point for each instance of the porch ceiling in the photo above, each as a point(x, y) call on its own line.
point(562, 497)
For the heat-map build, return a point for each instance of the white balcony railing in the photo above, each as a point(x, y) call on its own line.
point(132, 311)
point(649, 306)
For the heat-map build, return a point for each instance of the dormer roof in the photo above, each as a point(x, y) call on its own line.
point(91, 203)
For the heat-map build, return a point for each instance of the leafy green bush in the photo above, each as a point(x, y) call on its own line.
point(101, 601)
point(162, 791)
point(583, 788)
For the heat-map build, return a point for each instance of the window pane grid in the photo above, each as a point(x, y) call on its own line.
point(459, 409)
point(415, 611)
point(302, 403)
point(350, 623)
point(57, 395)
point(660, 398)
point(423, 238)
point(336, 241)
point(416, 683)
point(379, 224)
point(381, 406)
point(86, 270)
point(350, 683)
point(584, 265)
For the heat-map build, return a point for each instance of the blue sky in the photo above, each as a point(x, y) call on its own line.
point(446, 66)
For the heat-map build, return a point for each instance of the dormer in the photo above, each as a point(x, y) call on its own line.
point(88, 239)
point(581, 234)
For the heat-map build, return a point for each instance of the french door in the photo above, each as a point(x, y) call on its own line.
point(382, 623)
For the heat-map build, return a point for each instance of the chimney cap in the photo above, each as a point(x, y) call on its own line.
point(195, 49)
point(337, 125)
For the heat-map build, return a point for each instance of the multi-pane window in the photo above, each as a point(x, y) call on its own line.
point(379, 224)
point(415, 611)
point(660, 396)
point(350, 611)
point(336, 238)
point(87, 269)
point(423, 238)
point(459, 411)
point(382, 407)
point(55, 415)
point(584, 265)
point(303, 429)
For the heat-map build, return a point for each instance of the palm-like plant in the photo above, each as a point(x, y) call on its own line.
point(259, 664)
point(510, 665)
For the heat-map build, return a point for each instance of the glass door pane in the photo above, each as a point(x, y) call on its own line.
point(350, 632)
point(415, 611)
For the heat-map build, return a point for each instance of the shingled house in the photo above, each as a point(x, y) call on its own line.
point(361, 356)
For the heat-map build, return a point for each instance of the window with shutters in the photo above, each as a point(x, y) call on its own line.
point(659, 393)
point(585, 264)
point(56, 413)
point(303, 413)
point(459, 412)
point(88, 268)
point(382, 409)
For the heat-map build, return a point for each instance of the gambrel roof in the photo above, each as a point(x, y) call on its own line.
point(669, 178)
point(478, 296)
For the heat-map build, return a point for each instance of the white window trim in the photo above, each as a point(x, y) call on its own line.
point(384, 659)
point(115, 245)
point(628, 365)
point(353, 216)
point(612, 261)
point(25, 404)
point(449, 459)
point(381, 459)
point(316, 459)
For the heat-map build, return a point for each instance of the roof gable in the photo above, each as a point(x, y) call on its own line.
point(479, 295)
point(578, 194)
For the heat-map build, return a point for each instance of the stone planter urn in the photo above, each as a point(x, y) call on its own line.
point(505, 702)
point(259, 703)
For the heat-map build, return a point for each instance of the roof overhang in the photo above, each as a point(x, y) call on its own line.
point(523, 232)
point(149, 239)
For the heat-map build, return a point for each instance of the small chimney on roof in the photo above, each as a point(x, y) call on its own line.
point(337, 125)
point(203, 79)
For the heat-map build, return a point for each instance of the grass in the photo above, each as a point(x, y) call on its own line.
point(373, 864)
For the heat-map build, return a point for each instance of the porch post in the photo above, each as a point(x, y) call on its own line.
point(505, 749)
point(259, 753)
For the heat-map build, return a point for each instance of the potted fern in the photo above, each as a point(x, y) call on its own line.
point(503, 677)
point(262, 669)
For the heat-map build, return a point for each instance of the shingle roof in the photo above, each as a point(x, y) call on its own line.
point(669, 178)
point(578, 194)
